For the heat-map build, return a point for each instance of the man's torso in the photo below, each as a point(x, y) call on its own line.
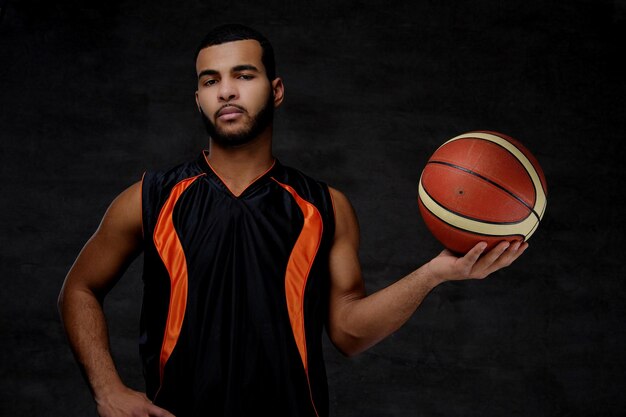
point(235, 292)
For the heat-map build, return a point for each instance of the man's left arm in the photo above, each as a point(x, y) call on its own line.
point(357, 320)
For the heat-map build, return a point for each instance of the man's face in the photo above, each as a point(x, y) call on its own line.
point(234, 95)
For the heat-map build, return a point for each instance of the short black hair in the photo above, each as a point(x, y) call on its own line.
point(231, 32)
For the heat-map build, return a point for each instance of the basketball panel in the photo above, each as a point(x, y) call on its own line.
point(490, 161)
point(531, 157)
point(471, 196)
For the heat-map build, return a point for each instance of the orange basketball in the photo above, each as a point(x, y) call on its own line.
point(481, 186)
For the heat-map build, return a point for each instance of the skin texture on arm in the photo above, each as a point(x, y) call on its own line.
point(98, 267)
point(357, 320)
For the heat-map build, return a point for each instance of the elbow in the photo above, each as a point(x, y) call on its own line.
point(350, 353)
point(72, 295)
point(61, 301)
point(349, 338)
point(349, 345)
point(352, 350)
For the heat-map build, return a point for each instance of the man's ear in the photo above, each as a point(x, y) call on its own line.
point(198, 102)
point(279, 91)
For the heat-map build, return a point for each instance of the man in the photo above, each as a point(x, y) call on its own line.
point(246, 261)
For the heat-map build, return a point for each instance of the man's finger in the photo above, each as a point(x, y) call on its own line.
point(472, 256)
point(512, 254)
point(484, 266)
point(508, 256)
point(492, 256)
point(155, 411)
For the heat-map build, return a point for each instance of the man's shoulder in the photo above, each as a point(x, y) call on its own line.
point(309, 186)
point(173, 172)
point(297, 174)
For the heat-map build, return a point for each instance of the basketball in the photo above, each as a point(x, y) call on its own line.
point(481, 186)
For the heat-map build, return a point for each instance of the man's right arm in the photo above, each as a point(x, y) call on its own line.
point(102, 261)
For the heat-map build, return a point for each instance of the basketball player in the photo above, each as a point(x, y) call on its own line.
point(246, 262)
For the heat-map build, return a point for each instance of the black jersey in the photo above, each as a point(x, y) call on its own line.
point(235, 292)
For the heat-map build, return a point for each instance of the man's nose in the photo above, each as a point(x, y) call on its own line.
point(227, 91)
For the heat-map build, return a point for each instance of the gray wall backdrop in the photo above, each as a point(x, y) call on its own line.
point(94, 93)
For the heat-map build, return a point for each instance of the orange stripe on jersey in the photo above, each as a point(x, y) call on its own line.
point(298, 268)
point(171, 252)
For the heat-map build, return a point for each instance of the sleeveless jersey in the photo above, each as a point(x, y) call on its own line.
point(235, 292)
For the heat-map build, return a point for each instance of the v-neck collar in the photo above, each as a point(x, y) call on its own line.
point(254, 184)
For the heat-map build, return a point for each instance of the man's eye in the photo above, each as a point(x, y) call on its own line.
point(210, 82)
point(246, 77)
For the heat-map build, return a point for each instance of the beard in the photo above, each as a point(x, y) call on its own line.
point(256, 125)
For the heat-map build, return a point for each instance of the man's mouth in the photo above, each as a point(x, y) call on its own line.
point(229, 112)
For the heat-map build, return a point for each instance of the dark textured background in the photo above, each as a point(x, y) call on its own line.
point(94, 93)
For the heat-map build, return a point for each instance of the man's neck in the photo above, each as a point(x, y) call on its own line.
point(238, 167)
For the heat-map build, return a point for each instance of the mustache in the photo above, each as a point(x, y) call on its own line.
point(237, 106)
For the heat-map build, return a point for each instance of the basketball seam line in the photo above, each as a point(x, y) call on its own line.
point(476, 219)
point(468, 135)
point(469, 171)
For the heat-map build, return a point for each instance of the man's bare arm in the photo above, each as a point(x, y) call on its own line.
point(358, 321)
point(98, 267)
